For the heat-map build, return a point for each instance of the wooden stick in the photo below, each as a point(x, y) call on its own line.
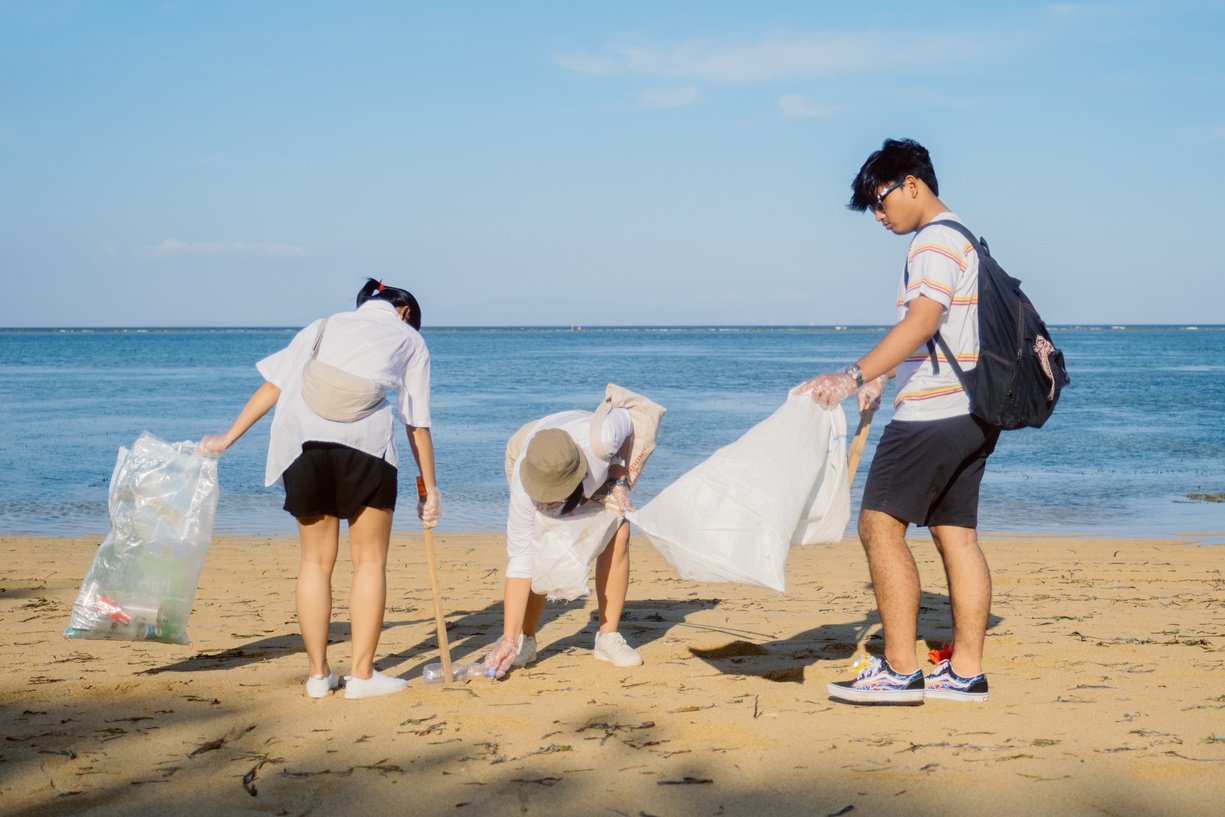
point(444, 644)
point(861, 437)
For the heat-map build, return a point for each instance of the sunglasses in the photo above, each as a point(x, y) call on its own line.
point(878, 204)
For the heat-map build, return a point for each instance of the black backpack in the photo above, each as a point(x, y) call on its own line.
point(1020, 372)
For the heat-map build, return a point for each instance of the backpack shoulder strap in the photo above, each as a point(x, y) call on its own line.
point(980, 247)
point(979, 244)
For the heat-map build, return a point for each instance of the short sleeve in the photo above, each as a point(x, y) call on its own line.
point(414, 393)
point(280, 367)
point(936, 262)
point(617, 429)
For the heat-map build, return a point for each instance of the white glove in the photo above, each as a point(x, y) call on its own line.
point(501, 656)
point(618, 499)
point(829, 389)
point(429, 510)
point(869, 394)
point(212, 445)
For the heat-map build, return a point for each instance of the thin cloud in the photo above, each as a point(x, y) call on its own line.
point(171, 248)
point(799, 106)
point(671, 97)
point(772, 59)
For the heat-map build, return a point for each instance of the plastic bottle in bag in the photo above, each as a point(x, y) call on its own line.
point(143, 578)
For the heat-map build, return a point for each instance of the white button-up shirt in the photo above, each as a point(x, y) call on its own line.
point(372, 342)
point(521, 515)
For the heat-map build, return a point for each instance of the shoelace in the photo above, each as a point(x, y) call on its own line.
point(865, 665)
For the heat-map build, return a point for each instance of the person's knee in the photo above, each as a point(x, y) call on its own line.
point(372, 560)
point(955, 540)
point(319, 564)
point(877, 529)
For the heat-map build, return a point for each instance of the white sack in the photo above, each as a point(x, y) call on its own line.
point(733, 517)
point(564, 548)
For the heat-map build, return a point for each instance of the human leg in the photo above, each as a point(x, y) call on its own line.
point(969, 583)
point(896, 678)
point(319, 536)
point(369, 539)
point(612, 578)
point(895, 582)
point(532, 612)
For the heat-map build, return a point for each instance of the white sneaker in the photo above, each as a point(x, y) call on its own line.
point(527, 651)
point(377, 684)
point(611, 647)
point(318, 686)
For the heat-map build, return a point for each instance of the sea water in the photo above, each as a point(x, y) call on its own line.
point(1136, 436)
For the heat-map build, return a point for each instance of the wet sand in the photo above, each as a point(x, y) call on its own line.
point(1106, 660)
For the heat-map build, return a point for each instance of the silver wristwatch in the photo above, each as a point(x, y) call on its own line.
point(854, 371)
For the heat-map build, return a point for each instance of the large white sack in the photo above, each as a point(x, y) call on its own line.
point(564, 548)
point(735, 516)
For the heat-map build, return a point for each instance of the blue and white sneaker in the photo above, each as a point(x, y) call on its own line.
point(944, 683)
point(877, 683)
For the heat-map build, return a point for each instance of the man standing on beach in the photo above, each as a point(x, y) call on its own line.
point(930, 459)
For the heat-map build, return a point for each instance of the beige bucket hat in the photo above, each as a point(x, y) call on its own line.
point(552, 466)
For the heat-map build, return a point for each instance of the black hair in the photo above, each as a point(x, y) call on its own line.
point(395, 296)
point(572, 501)
point(896, 159)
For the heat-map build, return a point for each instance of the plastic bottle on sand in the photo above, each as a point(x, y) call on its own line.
point(433, 674)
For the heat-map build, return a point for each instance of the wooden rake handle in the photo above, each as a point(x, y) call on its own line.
point(857, 443)
point(444, 645)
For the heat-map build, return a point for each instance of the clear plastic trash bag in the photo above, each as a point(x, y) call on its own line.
point(563, 549)
point(142, 582)
point(735, 516)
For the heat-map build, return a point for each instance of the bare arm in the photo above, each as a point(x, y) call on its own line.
point(622, 470)
point(916, 327)
point(429, 507)
point(259, 404)
point(422, 443)
point(920, 323)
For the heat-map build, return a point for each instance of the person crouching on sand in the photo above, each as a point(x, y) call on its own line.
point(553, 468)
point(332, 445)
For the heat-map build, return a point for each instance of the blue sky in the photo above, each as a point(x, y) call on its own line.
point(249, 163)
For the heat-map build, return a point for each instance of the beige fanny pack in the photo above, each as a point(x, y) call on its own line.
point(335, 394)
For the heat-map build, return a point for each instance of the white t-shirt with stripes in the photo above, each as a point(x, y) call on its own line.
point(944, 267)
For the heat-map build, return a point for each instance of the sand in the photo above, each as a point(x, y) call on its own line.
point(1106, 660)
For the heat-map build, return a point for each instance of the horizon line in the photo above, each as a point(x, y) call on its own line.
point(581, 327)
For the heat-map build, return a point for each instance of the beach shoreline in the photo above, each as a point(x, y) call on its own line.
point(1106, 659)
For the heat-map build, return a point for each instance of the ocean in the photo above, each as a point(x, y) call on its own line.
point(1135, 448)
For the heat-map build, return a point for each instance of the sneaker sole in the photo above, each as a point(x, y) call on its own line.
point(906, 697)
point(954, 695)
point(375, 694)
point(605, 658)
point(321, 693)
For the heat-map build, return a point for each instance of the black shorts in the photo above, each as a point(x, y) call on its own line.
point(329, 479)
point(928, 473)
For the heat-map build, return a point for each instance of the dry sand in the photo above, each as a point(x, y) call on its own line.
point(1106, 660)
